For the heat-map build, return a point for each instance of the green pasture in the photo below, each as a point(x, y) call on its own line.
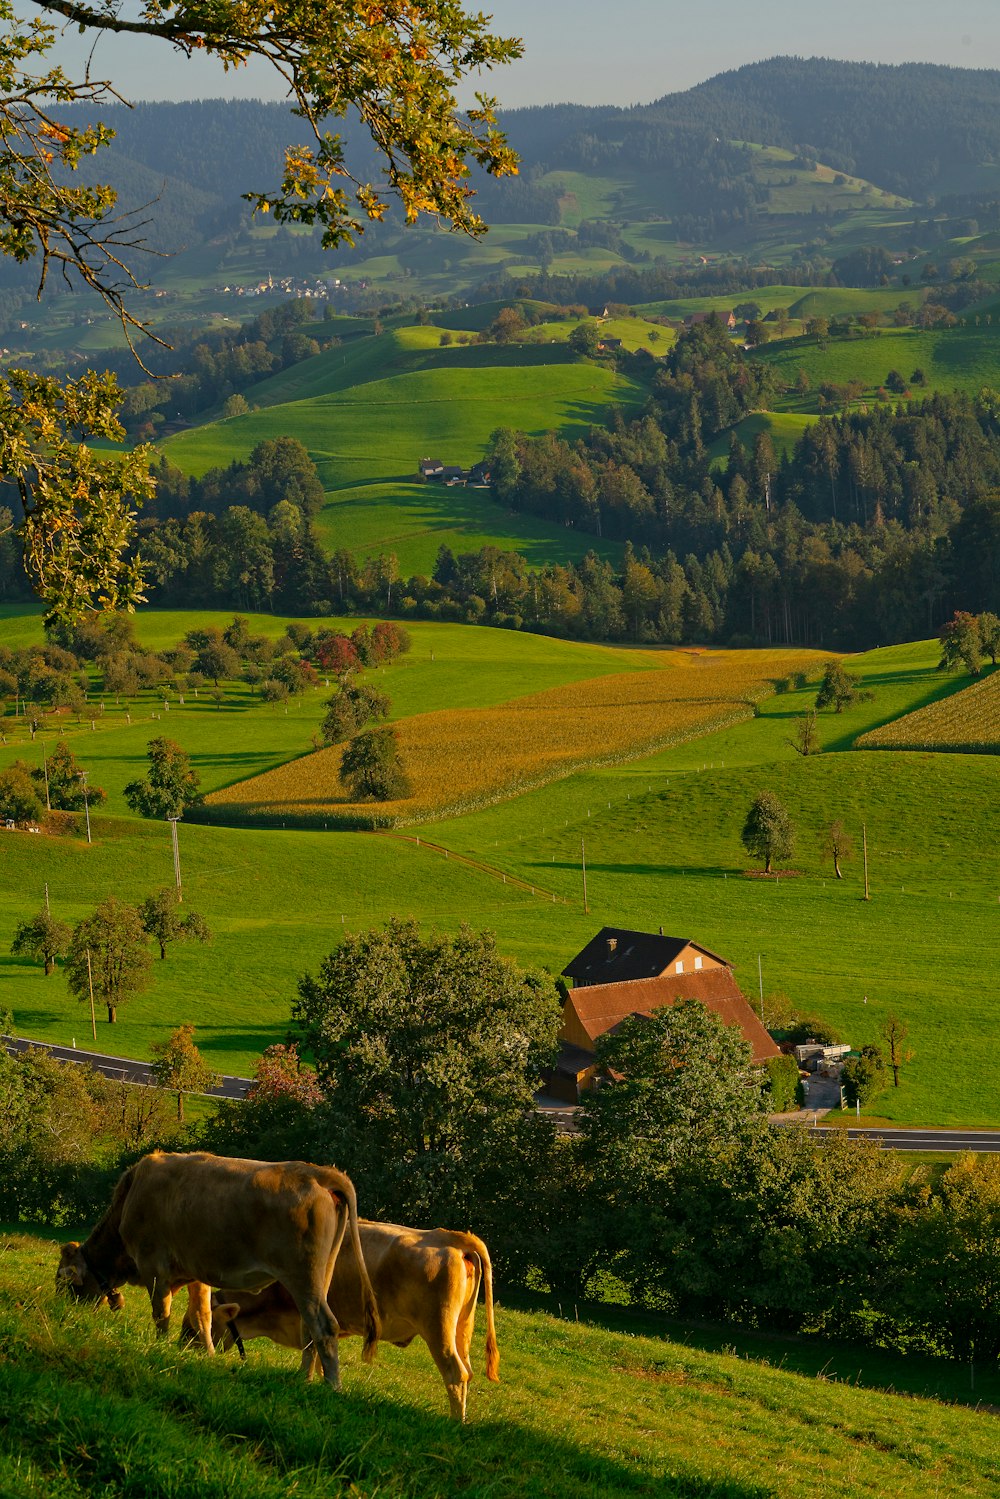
point(96, 1406)
point(380, 430)
point(662, 847)
point(410, 521)
point(953, 359)
point(783, 427)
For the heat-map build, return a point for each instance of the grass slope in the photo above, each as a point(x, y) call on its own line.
point(662, 846)
point(92, 1404)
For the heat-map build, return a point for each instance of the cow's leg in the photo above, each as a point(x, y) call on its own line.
point(309, 1364)
point(161, 1299)
point(453, 1371)
point(200, 1313)
point(320, 1326)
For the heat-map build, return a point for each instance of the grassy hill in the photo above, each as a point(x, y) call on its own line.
point(93, 1405)
point(662, 837)
point(367, 414)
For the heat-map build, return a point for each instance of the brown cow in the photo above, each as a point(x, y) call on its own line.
point(201, 1220)
point(426, 1282)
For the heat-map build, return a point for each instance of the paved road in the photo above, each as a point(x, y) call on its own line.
point(124, 1069)
point(922, 1139)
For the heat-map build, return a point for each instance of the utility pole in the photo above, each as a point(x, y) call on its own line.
point(48, 910)
point(864, 845)
point(583, 860)
point(86, 803)
point(177, 857)
point(90, 984)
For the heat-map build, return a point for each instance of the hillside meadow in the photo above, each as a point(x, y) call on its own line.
point(94, 1405)
point(462, 759)
point(661, 836)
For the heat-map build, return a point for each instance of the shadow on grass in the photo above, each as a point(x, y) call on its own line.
point(796, 1353)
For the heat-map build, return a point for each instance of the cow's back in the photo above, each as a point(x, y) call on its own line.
point(225, 1221)
point(418, 1276)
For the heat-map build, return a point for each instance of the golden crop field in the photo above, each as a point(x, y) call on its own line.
point(966, 723)
point(462, 759)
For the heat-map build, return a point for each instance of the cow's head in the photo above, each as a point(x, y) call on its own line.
point(76, 1275)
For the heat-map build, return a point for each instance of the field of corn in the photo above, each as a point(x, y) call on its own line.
point(461, 760)
point(967, 724)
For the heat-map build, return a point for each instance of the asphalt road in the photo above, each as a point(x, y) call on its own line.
point(124, 1069)
point(922, 1139)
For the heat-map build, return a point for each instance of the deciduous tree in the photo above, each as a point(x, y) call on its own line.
point(894, 1033)
point(179, 1066)
point(371, 767)
point(768, 833)
point(42, 937)
point(119, 957)
point(839, 688)
point(171, 786)
point(838, 844)
point(162, 919)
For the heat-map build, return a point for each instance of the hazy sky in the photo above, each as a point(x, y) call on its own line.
point(632, 51)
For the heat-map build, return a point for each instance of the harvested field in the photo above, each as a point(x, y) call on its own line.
point(464, 759)
point(967, 723)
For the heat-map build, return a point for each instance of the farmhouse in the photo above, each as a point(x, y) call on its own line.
point(432, 470)
point(727, 319)
point(621, 973)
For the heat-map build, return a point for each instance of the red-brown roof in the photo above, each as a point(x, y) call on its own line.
point(600, 1007)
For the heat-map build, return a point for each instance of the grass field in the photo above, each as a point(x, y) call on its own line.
point(662, 846)
point(951, 358)
point(93, 1405)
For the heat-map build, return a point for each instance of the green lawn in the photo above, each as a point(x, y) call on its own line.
point(95, 1406)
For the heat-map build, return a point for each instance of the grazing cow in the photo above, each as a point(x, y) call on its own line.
point(426, 1283)
point(202, 1220)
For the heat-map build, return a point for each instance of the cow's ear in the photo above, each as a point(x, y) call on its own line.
point(226, 1311)
point(72, 1270)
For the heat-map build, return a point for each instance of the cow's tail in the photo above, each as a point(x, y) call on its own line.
point(492, 1349)
point(373, 1327)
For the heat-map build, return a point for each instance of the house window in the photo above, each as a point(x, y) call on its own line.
point(697, 962)
point(679, 966)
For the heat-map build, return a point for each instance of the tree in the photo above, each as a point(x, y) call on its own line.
point(989, 635)
point(894, 1033)
point(430, 1050)
point(960, 643)
point(65, 781)
point(768, 833)
point(19, 801)
point(171, 786)
point(840, 689)
point(837, 844)
point(863, 1076)
point(584, 339)
point(119, 958)
point(43, 938)
point(180, 1066)
point(371, 767)
point(396, 68)
point(350, 708)
point(806, 739)
point(162, 919)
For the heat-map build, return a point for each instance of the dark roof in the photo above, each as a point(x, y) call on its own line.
point(634, 955)
point(602, 1007)
point(431, 465)
point(573, 1060)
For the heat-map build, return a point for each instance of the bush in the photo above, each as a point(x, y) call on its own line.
point(782, 1084)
